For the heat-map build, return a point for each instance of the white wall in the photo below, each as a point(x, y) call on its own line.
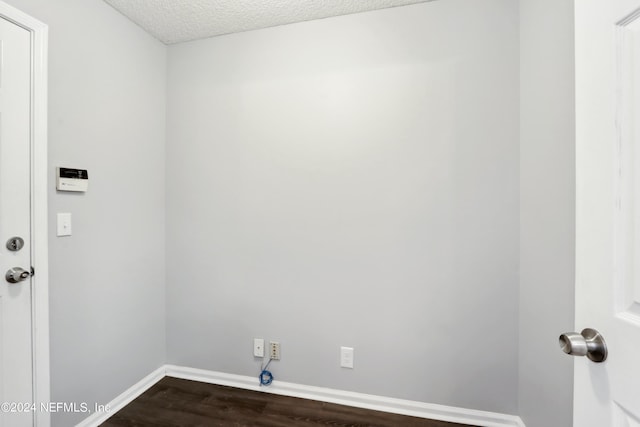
point(547, 214)
point(351, 181)
point(107, 87)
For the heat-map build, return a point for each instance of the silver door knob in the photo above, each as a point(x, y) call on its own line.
point(16, 275)
point(587, 343)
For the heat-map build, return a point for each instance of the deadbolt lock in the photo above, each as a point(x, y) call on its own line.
point(14, 244)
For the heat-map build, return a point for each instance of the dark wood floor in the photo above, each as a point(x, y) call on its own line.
point(174, 402)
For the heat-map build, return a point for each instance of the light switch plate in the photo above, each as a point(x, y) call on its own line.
point(64, 224)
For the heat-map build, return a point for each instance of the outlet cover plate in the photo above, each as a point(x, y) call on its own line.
point(346, 357)
point(274, 350)
point(258, 347)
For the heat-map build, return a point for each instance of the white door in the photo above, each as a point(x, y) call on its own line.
point(608, 209)
point(16, 388)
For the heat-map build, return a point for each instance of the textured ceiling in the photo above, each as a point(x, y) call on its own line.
point(175, 21)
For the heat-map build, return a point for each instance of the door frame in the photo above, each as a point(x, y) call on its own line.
point(39, 209)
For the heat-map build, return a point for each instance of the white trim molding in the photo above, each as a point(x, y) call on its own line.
point(348, 398)
point(124, 399)
point(340, 397)
point(39, 208)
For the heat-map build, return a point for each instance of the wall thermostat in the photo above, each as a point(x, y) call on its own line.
point(68, 179)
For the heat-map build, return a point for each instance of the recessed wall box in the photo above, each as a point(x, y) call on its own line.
point(72, 179)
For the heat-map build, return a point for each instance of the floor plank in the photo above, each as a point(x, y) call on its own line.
point(174, 402)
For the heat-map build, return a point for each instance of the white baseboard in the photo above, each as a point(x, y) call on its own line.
point(125, 398)
point(348, 398)
point(359, 400)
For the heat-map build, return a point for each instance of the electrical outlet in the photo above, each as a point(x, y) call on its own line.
point(346, 357)
point(274, 350)
point(258, 347)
